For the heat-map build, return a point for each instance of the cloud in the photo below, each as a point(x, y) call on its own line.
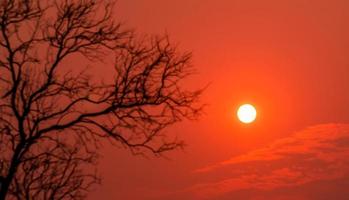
point(311, 158)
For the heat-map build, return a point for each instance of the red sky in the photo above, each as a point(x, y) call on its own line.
point(289, 58)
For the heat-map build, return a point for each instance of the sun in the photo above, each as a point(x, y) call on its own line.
point(247, 113)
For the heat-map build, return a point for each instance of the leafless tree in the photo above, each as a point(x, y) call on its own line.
point(54, 116)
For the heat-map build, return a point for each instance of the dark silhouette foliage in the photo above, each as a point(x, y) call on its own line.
point(54, 116)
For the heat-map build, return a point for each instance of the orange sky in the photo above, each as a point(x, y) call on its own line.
point(290, 58)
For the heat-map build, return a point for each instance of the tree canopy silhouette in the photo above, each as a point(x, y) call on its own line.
point(53, 114)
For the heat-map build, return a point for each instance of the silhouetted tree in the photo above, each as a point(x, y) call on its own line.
point(53, 115)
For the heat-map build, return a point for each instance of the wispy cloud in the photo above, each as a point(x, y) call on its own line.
point(319, 153)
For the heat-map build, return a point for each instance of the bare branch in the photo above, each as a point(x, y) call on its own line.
point(53, 116)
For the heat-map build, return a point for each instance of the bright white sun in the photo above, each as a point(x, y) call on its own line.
point(246, 113)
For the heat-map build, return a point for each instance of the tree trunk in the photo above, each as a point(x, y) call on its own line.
point(6, 182)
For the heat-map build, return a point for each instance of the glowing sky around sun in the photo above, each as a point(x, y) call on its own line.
point(287, 58)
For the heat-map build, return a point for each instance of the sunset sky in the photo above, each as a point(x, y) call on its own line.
point(290, 59)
